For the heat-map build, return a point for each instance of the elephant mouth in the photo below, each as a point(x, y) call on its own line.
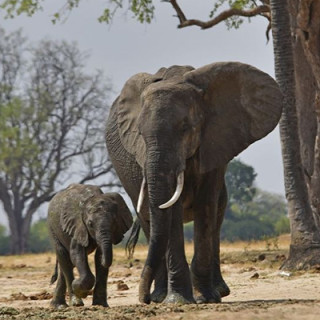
point(171, 202)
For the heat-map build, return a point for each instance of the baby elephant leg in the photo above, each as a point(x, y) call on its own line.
point(100, 289)
point(82, 286)
point(65, 278)
point(59, 297)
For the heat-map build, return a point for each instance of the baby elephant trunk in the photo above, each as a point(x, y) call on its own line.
point(105, 244)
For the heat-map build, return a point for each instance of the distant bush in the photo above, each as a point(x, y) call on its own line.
point(4, 241)
point(39, 237)
point(263, 216)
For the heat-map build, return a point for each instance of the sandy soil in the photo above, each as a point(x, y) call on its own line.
point(259, 290)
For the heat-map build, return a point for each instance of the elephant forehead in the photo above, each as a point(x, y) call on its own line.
point(168, 96)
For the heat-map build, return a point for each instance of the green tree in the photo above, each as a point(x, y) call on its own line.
point(264, 215)
point(50, 127)
point(4, 241)
point(239, 180)
point(39, 237)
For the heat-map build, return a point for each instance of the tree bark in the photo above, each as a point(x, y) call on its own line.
point(304, 233)
point(305, 25)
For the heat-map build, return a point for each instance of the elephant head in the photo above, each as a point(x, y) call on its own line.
point(208, 114)
point(96, 217)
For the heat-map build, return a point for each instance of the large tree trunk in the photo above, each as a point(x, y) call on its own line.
point(305, 238)
point(19, 231)
point(305, 25)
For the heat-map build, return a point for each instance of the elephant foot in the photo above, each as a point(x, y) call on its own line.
point(82, 287)
point(145, 298)
point(75, 301)
point(158, 295)
point(100, 303)
point(177, 298)
point(222, 288)
point(58, 305)
point(100, 300)
point(207, 296)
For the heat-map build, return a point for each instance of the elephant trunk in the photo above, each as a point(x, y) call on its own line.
point(104, 242)
point(160, 181)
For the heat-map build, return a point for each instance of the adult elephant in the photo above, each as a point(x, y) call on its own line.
point(170, 137)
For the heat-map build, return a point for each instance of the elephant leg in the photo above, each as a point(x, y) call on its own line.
point(205, 267)
point(160, 284)
point(179, 281)
point(201, 266)
point(65, 279)
point(161, 278)
point(59, 297)
point(86, 280)
point(217, 280)
point(100, 289)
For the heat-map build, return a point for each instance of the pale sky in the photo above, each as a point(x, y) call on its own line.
point(127, 47)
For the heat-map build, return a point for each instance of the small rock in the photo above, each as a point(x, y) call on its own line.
point(285, 274)
point(261, 257)
point(281, 257)
point(255, 276)
point(249, 269)
point(18, 296)
point(19, 266)
point(121, 286)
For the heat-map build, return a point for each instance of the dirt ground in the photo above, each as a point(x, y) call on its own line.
point(259, 290)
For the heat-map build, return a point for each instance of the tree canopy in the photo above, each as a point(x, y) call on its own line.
point(232, 12)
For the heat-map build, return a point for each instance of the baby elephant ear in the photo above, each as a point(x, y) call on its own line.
point(241, 105)
point(72, 223)
point(122, 219)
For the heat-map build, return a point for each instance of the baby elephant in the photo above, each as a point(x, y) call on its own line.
point(82, 219)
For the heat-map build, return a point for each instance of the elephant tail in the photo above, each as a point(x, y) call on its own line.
point(54, 277)
point(133, 238)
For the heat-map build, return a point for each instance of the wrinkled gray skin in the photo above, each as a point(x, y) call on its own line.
point(82, 219)
point(191, 121)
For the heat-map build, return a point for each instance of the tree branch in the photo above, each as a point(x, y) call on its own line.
point(184, 22)
point(94, 175)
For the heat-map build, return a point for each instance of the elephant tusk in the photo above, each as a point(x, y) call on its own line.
point(175, 197)
point(141, 195)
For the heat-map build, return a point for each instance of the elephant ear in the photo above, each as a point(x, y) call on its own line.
point(72, 223)
point(122, 219)
point(241, 104)
point(129, 107)
point(72, 220)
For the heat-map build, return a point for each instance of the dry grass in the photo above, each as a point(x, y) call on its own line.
point(277, 245)
point(46, 260)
